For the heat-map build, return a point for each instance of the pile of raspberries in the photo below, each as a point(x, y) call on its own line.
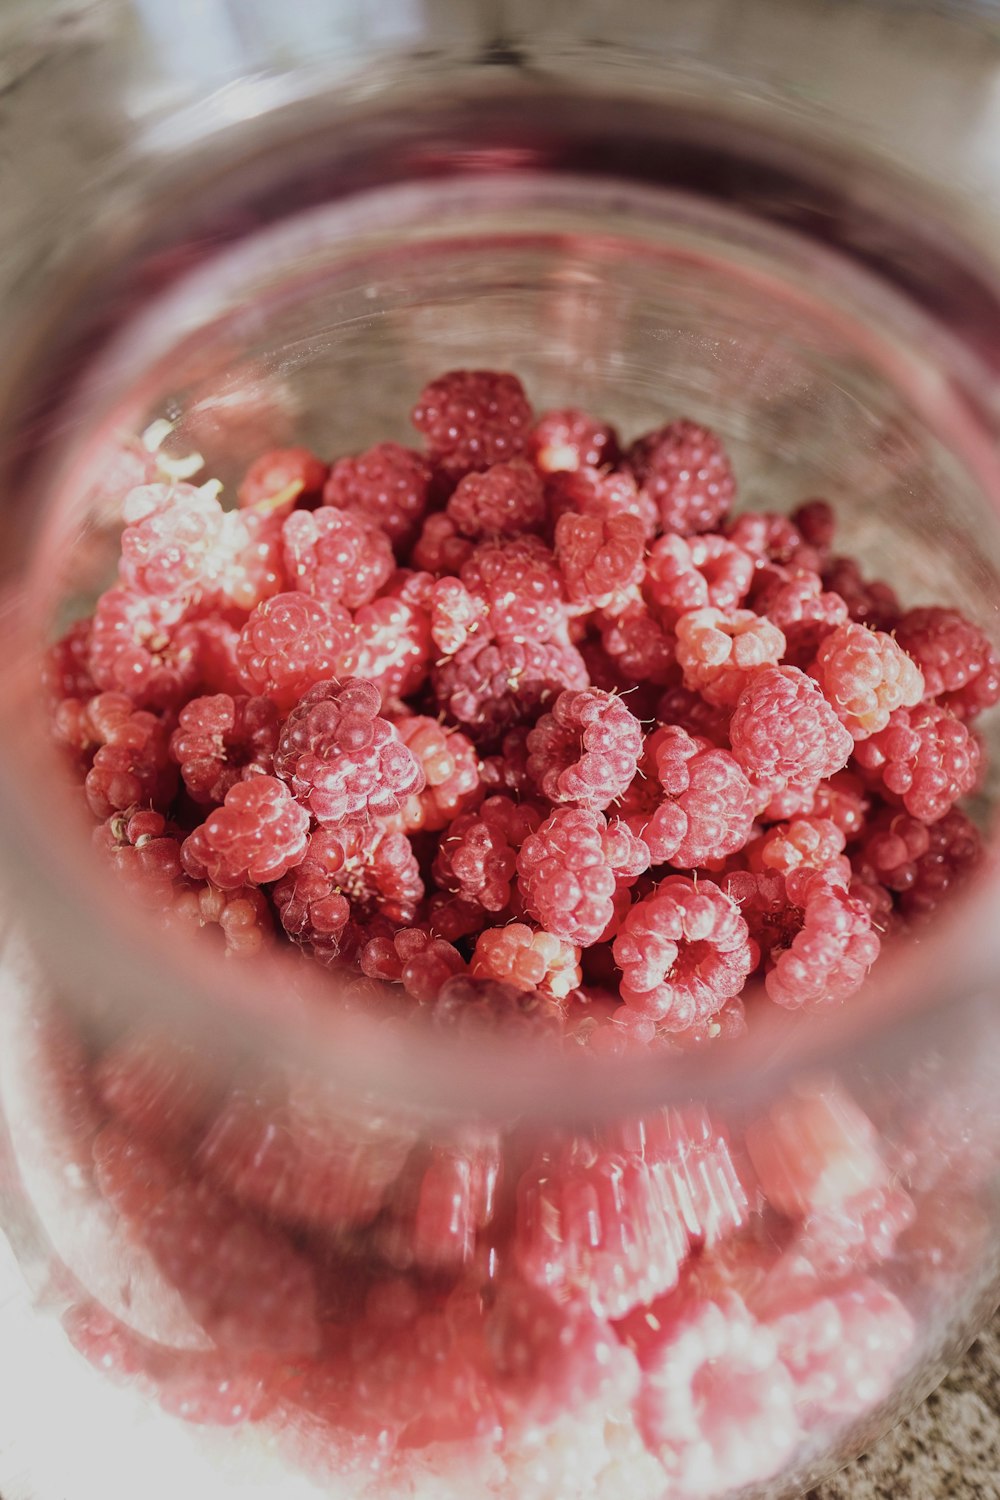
point(527, 718)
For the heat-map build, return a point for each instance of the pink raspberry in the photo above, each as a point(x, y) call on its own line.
point(684, 468)
point(473, 419)
point(592, 492)
point(843, 799)
point(388, 483)
point(601, 557)
point(784, 733)
point(720, 653)
point(505, 500)
point(684, 950)
point(488, 687)
point(804, 843)
point(290, 642)
point(455, 1200)
point(593, 1226)
point(925, 757)
point(241, 917)
point(392, 645)
point(258, 834)
point(861, 1231)
point(170, 540)
point(682, 575)
point(585, 749)
point(130, 765)
point(144, 851)
point(959, 665)
point(450, 767)
point(954, 850)
point(360, 867)
point(771, 538)
point(477, 857)
point(144, 647)
point(793, 598)
point(65, 667)
point(336, 556)
point(869, 603)
point(815, 1149)
point(220, 740)
point(455, 615)
point(521, 586)
point(693, 1165)
point(413, 958)
point(528, 959)
point(865, 675)
point(568, 439)
point(570, 867)
point(475, 1007)
point(716, 1403)
point(638, 646)
point(688, 710)
point(342, 760)
point(250, 565)
point(691, 803)
point(440, 548)
point(281, 479)
point(817, 522)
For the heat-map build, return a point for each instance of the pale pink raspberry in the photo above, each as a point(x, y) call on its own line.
point(280, 479)
point(815, 1149)
point(592, 492)
point(220, 740)
point(771, 538)
point(585, 749)
point(528, 959)
point(924, 757)
point(336, 556)
point(440, 547)
point(250, 563)
point(455, 615)
point(601, 557)
point(240, 916)
point(145, 647)
point(258, 834)
point(692, 573)
point(290, 642)
point(472, 419)
point(785, 734)
point(691, 802)
point(567, 440)
point(638, 646)
point(391, 645)
point(570, 868)
point(362, 869)
point(389, 484)
point(720, 653)
point(520, 583)
point(450, 765)
point(416, 959)
point(170, 539)
point(958, 662)
point(866, 675)
point(489, 686)
point(806, 842)
point(794, 599)
point(477, 856)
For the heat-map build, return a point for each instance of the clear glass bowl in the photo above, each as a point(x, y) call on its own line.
point(271, 260)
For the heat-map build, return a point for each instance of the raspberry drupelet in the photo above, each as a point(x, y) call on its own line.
point(506, 500)
point(959, 665)
point(601, 557)
point(472, 419)
point(477, 857)
point(866, 675)
point(336, 556)
point(570, 868)
point(684, 468)
point(691, 802)
point(341, 759)
point(924, 757)
point(389, 484)
point(785, 734)
point(290, 642)
point(567, 440)
point(720, 653)
point(258, 833)
point(220, 740)
point(585, 749)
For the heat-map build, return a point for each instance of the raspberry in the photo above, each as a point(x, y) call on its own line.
point(843, 799)
point(155, 1085)
point(806, 842)
point(692, 1164)
point(143, 851)
point(592, 1226)
point(682, 575)
point(217, 645)
point(440, 548)
point(877, 901)
point(65, 667)
point(861, 1231)
point(683, 950)
point(366, 866)
point(474, 1006)
point(567, 440)
point(527, 959)
point(490, 686)
point(392, 644)
point(953, 851)
point(450, 768)
point(343, 761)
point(454, 917)
point(258, 834)
point(684, 468)
point(521, 586)
point(455, 615)
point(601, 557)
point(144, 647)
point(242, 916)
point(413, 958)
point(771, 538)
point(889, 852)
point(221, 740)
point(336, 556)
point(388, 483)
point(638, 646)
point(925, 757)
point(591, 492)
point(477, 857)
point(816, 521)
point(170, 540)
point(958, 663)
point(794, 599)
point(456, 1199)
point(679, 706)
point(720, 653)
point(569, 868)
point(244, 1284)
point(290, 642)
point(869, 603)
point(280, 479)
point(691, 803)
point(785, 734)
point(716, 1403)
point(131, 765)
point(585, 749)
point(250, 563)
point(865, 675)
point(473, 419)
point(505, 500)
point(815, 1150)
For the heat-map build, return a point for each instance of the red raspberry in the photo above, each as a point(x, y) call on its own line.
point(865, 675)
point(65, 668)
point(246, 1285)
point(529, 960)
point(388, 483)
point(771, 538)
point(817, 522)
point(869, 603)
point(170, 541)
point(505, 500)
point(440, 548)
point(156, 1085)
point(570, 867)
point(805, 843)
point(638, 646)
point(593, 1226)
point(242, 916)
point(954, 850)
point(785, 734)
point(413, 958)
point(683, 950)
point(221, 740)
point(392, 645)
point(450, 768)
point(453, 917)
point(218, 641)
point(250, 564)
point(520, 583)
point(290, 642)
point(585, 749)
point(477, 1006)
point(716, 1403)
point(815, 1150)
point(794, 599)
point(365, 866)
point(131, 765)
point(473, 419)
point(567, 440)
point(959, 664)
point(455, 615)
point(490, 686)
point(591, 492)
point(682, 575)
point(342, 760)
point(720, 653)
point(143, 851)
point(258, 834)
point(691, 802)
point(692, 1164)
point(280, 479)
point(877, 901)
point(889, 852)
point(684, 468)
point(687, 710)
point(601, 557)
point(843, 799)
point(925, 757)
point(507, 771)
point(144, 647)
point(336, 556)
point(477, 857)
